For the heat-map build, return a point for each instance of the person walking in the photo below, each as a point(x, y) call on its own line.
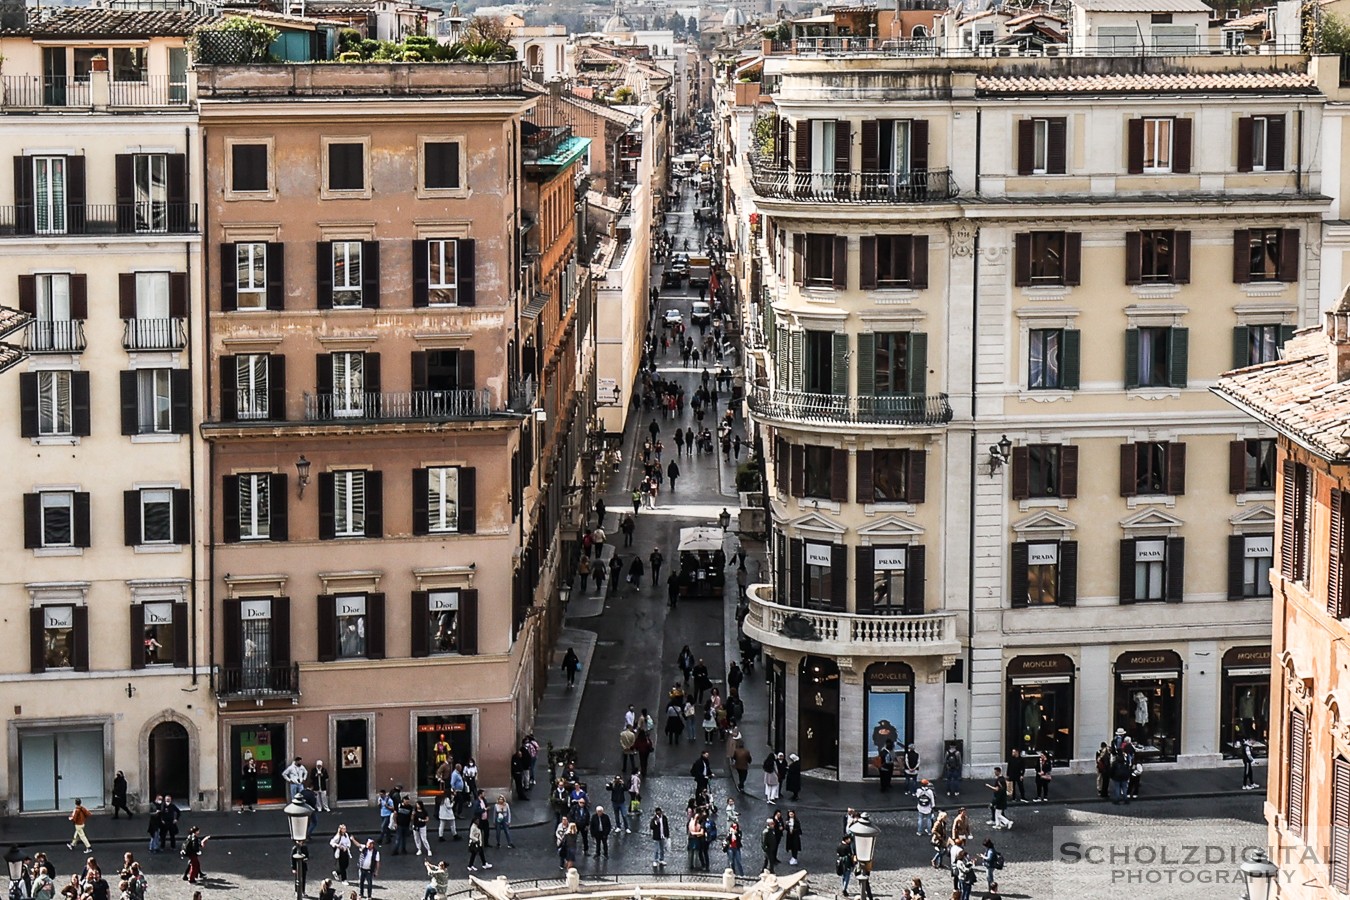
point(584, 572)
point(673, 472)
point(655, 560)
point(420, 820)
point(1043, 776)
point(598, 538)
point(924, 802)
point(476, 848)
point(248, 785)
point(963, 873)
point(367, 867)
point(615, 572)
point(119, 794)
point(701, 772)
point(571, 665)
point(636, 571)
point(602, 826)
point(740, 761)
point(627, 526)
point(598, 572)
point(659, 826)
point(78, 817)
point(673, 589)
point(403, 814)
point(910, 756)
point(445, 814)
point(792, 836)
point(938, 838)
point(843, 862)
point(193, 848)
point(341, 842)
point(999, 801)
point(1248, 758)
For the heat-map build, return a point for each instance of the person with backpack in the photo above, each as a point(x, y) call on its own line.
point(571, 665)
point(963, 875)
point(924, 802)
point(192, 852)
point(992, 860)
point(951, 771)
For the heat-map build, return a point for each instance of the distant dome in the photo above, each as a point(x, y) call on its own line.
point(618, 24)
point(734, 19)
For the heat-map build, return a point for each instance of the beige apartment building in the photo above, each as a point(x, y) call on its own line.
point(369, 456)
point(988, 300)
point(103, 576)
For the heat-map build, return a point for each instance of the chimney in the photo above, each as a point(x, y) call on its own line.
point(1338, 337)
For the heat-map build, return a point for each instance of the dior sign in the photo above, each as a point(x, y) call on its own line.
point(255, 610)
point(351, 606)
point(158, 614)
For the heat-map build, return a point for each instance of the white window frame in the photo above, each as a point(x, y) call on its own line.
point(1256, 568)
point(53, 296)
point(1150, 576)
point(450, 600)
point(49, 194)
point(349, 380)
point(50, 635)
point(1040, 146)
point(250, 292)
point(152, 295)
point(53, 500)
point(1159, 132)
point(441, 251)
point(442, 506)
point(349, 503)
point(1260, 132)
point(57, 395)
point(150, 187)
point(895, 578)
point(150, 497)
point(252, 377)
point(255, 506)
point(347, 289)
point(155, 386)
point(1045, 548)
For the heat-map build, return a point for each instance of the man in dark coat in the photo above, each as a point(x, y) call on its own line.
point(701, 771)
point(119, 794)
point(601, 827)
point(768, 842)
point(792, 781)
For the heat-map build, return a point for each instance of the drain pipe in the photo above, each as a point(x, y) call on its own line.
point(974, 464)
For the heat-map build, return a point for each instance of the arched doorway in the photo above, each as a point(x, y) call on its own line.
point(168, 757)
point(818, 712)
point(534, 56)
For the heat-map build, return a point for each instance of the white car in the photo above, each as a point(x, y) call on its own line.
point(672, 317)
point(702, 312)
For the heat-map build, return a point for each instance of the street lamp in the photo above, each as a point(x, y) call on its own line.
point(298, 815)
point(302, 474)
point(14, 860)
point(1258, 875)
point(564, 594)
point(864, 835)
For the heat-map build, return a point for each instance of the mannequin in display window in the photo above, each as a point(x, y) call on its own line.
point(1140, 709)
point(1033, 716)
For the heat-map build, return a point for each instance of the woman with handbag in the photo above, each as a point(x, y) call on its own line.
point(342, 852)
point(1043, 776)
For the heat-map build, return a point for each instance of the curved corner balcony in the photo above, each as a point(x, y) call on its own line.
point(851, 409)
point(789, 183)
point(830, 633)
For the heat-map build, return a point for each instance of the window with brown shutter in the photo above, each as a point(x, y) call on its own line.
point(1047, 258)
point(863, 484)
point(798, 469)
point(839, 475)
point(1296, 787)
point(1295, 494)
point(1041, 146)
point(1260, 144)
point(1338, 604)
point(1338, 863)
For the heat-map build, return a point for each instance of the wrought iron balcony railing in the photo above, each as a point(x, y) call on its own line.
point(882, 409)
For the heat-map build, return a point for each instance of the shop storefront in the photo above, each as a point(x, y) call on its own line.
point(1040, 706)
point(1245, 703)
point(266, 745)
point(1148, 702)
point(58, 765)
point(889, 710)
point(441, 738)
point(818, 712)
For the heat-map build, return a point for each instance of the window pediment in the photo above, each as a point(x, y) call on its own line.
point(1260, 517)
point(890, 528)
point(814, 523)
point(1151, 522)
point(1043, 525)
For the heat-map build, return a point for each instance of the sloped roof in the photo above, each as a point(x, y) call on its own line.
point(267, 15)
point(1144, 6)
point(1297, 396)
point(1178, 82)
point(90, 22)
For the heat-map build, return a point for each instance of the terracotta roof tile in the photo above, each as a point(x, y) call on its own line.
point(90, 22)
point(1174, 82)
point(1297, 396)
